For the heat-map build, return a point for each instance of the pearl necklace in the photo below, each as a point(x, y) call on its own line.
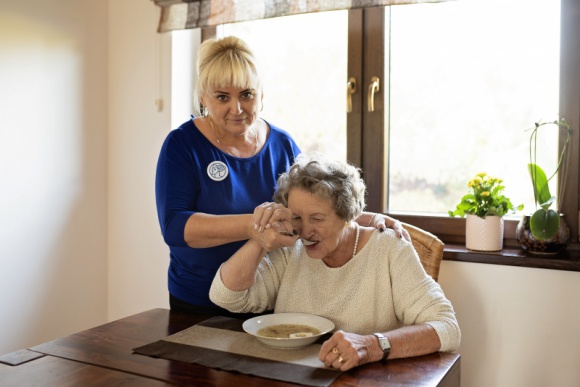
point(356, 240)
point(228, 152)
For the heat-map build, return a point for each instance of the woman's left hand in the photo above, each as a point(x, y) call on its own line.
point(382, 221)
point(346, 350)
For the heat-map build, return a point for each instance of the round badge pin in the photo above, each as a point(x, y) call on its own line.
point(217, 170)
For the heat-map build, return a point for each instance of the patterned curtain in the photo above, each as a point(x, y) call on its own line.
point(184, 14)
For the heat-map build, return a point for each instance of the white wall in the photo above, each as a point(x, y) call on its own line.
point(79, 240)
point(53, 169)
point(519, 325)
point(80, 131)
point(139, 76)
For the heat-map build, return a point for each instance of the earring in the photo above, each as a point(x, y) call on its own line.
point(204, 111)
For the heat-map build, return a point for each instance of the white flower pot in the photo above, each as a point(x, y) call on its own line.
point(484, 234)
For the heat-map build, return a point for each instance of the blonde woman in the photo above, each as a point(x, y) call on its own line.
point(216, 168)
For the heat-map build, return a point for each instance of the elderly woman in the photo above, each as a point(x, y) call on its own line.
point(216, 168)
point(370, 284)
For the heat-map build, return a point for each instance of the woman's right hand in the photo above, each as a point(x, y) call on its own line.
point(272, 228)
point(273, 215)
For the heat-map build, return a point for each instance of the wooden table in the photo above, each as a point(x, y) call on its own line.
point(103, 356)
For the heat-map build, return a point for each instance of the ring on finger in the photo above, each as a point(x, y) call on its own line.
point(340, 359)
point(335, 350)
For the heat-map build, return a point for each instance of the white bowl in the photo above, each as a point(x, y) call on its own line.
point(253, 325)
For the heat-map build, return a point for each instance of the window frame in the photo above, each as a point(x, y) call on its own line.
point(368, 136)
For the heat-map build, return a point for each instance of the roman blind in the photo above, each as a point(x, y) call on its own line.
point(184, 14)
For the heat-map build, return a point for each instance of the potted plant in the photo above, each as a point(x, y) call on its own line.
point(484, 206)
point(545, 231)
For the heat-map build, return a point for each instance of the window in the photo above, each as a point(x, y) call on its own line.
point(459, 83)
point(303, 58)
point(466, 81)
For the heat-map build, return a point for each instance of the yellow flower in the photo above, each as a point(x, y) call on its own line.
point(485, 193)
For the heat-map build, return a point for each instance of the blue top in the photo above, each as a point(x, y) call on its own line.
point(195, 176)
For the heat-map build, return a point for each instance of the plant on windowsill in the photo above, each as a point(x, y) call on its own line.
point(484, 206)
point(545, 231)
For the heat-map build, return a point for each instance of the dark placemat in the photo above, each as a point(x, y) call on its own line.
point(220, 342)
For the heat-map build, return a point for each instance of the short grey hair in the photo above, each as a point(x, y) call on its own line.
point(224, 62)
point(328, 179)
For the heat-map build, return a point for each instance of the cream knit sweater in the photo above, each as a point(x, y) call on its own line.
point(382, 288)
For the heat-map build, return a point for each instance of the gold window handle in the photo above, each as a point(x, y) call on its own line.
point(373, 88)
point(350, 90)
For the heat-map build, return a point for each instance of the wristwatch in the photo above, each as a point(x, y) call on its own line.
point(385, 344)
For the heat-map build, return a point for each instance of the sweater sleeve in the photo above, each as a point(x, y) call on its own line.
point(262, 295)
point(419, 299)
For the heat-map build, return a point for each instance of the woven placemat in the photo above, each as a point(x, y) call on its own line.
point(221, 343)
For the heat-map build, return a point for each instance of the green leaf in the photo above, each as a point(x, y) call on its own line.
point(468, 198)
point(542, 190)
point(547, 204)
point(544, 224)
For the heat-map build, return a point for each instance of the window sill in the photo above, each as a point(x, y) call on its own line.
point(568, 260)
point(452, 232)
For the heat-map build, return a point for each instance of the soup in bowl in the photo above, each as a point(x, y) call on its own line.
point(288, 330)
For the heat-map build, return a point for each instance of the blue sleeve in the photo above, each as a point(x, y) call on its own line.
point(183, 187)
point(175, 190)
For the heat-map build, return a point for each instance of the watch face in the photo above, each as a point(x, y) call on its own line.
point(385, 344)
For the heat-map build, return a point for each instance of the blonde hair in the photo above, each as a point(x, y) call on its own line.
point(337, 181)
point(224, 62)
